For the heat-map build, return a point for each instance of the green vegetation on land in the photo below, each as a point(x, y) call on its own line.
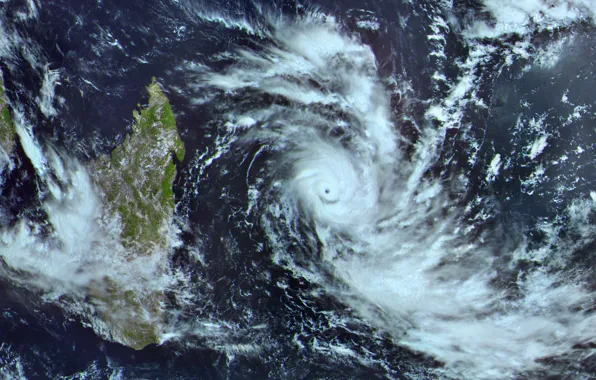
point(7, 127)
point(137, 178)
point(136, 181)
point(134, 319)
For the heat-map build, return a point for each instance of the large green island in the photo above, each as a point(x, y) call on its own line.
point(136, 182)
point(7, 128)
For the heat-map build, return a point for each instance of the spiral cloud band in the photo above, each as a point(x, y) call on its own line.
point(384, 228)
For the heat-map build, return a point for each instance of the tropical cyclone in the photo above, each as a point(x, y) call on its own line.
point(345, 207)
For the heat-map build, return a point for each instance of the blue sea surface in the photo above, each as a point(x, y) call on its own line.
point(107, 52)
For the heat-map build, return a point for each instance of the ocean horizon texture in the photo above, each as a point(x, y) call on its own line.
point(374, 189)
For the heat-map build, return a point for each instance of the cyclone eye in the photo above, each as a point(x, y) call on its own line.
point(328, 194)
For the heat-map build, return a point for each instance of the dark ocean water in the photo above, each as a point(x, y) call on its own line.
point(107, 52)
